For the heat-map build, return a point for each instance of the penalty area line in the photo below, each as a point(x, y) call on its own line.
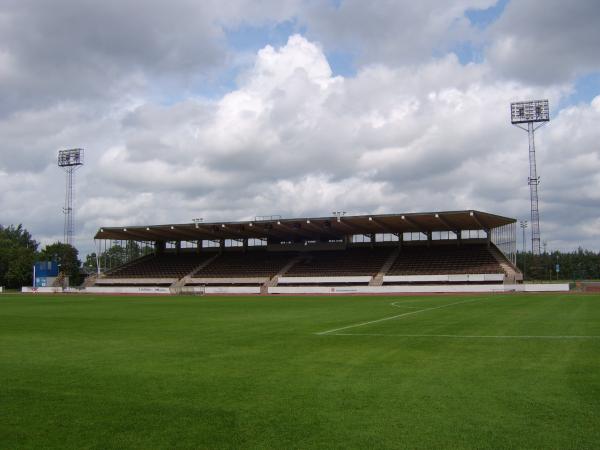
point(398, 316)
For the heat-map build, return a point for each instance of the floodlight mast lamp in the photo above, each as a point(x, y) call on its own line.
point(69, 160)
point(529, 116)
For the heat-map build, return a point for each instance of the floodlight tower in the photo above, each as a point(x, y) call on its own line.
point(535, 114)
point(70, 160)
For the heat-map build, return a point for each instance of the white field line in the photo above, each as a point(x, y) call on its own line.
point(464, 336)
point(396, 305)
point(399, 316)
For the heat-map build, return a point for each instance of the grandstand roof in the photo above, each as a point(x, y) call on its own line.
point(309, 227)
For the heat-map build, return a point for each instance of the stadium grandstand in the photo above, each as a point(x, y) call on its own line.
point(438, 251)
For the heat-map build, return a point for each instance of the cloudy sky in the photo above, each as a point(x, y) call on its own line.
point(228, 110)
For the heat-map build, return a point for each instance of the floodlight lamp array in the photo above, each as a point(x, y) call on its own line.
point(71, 157)
point(531, 111)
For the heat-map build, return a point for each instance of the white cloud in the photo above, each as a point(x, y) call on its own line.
point(408, 132)
point(394, 32)
point(295, 140)
point(545, 43)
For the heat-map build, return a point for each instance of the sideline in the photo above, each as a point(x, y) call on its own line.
point(465, 336)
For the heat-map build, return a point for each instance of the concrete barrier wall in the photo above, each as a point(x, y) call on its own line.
point(317, 280)
point(492, 277)
point(418, 289)
point(414, 278)
point(384, 289)
point(232, 290)
point(458, 278)
point(41, 290)
point(129, 281)
point(564, 287)
point(542, 287)
point(239, 280)
point(126, 290)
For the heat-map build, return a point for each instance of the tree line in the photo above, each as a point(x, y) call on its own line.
point(578, 265)
point(19, 252)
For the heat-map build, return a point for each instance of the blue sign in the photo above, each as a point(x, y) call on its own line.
point(46, 269)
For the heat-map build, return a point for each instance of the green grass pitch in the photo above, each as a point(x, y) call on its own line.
point(496, 371)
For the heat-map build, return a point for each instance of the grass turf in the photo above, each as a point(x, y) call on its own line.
point(201, 372)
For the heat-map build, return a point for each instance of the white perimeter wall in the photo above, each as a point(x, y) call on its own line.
point(231, 290)
point(166, 290)
point(317, 280)
point(443, 278)
point(419, 289)
point(42, 290)
point(125, 290)
point(316, 289)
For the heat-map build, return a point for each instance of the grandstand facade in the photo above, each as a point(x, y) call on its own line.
point(367, 253)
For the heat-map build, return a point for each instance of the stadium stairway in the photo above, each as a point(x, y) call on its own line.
point(511, 274)
point(90, 280)
point(178, 284)
point(60, 280)
point(378, 279)
point(273, 281)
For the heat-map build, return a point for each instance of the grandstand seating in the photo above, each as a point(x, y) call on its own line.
point(251, 264)
point(350, 262)
point(259, 266)
point(474, 258)
point(164, 265)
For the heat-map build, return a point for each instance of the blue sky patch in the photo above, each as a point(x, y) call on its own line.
point(341, 63)
point(253, 38)
point(483, 18)
point(586, 89)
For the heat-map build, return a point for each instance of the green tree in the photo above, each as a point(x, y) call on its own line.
point(17, 256)
point(67, 257)
point(90, 265)
point(578, 265)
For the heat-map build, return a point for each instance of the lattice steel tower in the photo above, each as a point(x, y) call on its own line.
point(70, 161)
point(532, 113)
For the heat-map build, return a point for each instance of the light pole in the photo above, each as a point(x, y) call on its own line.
point(338, 214)
point(525, 115)
point(70, 160)
point(523, 225)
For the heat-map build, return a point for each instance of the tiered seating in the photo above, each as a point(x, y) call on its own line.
point(166, 265)
point(258, 263)
point(350, 262)
point(351, 266)
point(475, 259)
